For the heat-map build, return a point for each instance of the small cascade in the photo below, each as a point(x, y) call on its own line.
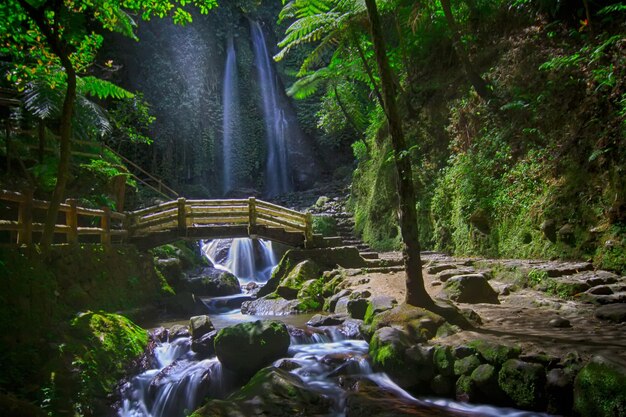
point(179, 383)
point(230, 122)
point(250, 260)
point(276, 123)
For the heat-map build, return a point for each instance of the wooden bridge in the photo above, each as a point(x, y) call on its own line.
point(21, 217)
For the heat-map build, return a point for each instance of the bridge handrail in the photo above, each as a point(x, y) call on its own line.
point(178, 214)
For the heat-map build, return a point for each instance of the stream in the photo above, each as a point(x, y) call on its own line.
point(180, 380)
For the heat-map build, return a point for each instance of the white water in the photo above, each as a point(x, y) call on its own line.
point(276, 124)
point(230, 100)
point(250, 260)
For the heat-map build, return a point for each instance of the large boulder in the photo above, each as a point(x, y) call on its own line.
point(495, 353)
point(524, 383)
point(247, 347)
point(600, 389)
point(270, 306)
point(612, 312)
point(290, 285)
point(418, 323)
point(271, 392)
point(378, 304)
point(199, 326)
point(214, 283)
point(469, 288)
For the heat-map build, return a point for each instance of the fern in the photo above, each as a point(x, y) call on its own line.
point(101, 89)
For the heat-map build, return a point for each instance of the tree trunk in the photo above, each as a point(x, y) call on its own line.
point(415, 291)
point(64, 153)
point(474, 78)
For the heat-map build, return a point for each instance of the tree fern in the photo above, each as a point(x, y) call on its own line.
point(101, 89)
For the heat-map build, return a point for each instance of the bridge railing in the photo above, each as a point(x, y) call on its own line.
point(182, 214)
point(23, 216)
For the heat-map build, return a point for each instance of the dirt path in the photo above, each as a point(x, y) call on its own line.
point(522, 317)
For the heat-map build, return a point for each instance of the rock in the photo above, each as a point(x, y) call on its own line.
point(613, 312)
point(443, 359)
point(441, 385)
point(199, 326)
point(287, 365)
point(270, 307)
point(304, 271)
point(466, 365)
point(326, 320)
point(438, 268)
point(603, 299)
point(271, 392)
point(342, 305)
point(331, 303)
point(176, 331)
point(471, 288)
point(351, 328)
point(548, 227)
point(445, 275)
point(559, 322)
point(419, 324)
point(378, 304)
point(463, 351)
point(310, 295)
point(600, 290)
point(524, 383)
point(247, 347)
point(485, 378)
point(481, 221)
point(391, 351)
point(171, 269)
point(493, 353)
point(465, 389)
point(204, 345)
point(559, 391)
point(214, 283)
point(566, 234)
point(600, 389)
point(357, 308)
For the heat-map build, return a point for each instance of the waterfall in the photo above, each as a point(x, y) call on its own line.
point(247, 259)
point(276, 124)
point(230, 122)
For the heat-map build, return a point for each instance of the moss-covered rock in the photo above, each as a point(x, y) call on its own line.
point(470, 288)
point(271, 392)
point(213, 283)
point(465, 389)
point(103, 347)
point(524, 383)
point(378, 304)
point(295, 279)
point(494, 353)
point(310, 295)
point(443, 359)
point(419, 324)
point(247, 347)
point(466, 365)
point(600, 389)
point(199, 326)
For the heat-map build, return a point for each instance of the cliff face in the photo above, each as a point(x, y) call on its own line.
point(538, 171)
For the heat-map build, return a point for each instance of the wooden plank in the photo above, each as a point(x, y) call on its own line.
point(251, 212)
point(11, 196)
point(276, 207)
point(182, 217)
point(89, 212)
point(220, 220)
point(155, 222)
point(71, 220)
point(173, 212)
point(90, 230)
point(217, 203)
point(105, 225)
point(154, 209)
point(199, 214)
point(25, 218)
point(264, 219)
point(11, 225)
point(298, 218)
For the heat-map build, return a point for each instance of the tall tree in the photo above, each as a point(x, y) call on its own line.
point(407, 214)
point(55, 33)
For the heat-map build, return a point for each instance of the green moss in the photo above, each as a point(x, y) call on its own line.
point(524, 383)
point(494, 353)
point(443, 359)
point(325, 225)
point(600, 390)
point(466, 365)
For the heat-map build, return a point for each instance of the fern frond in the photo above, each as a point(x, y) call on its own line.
point(43, 100)
point(101, 89)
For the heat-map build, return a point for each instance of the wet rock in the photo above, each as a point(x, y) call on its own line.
point(247, 347)
point(441, 385)
point(304, 271)
point(465, 389)
point(351, 328)
point(176, 331)
point(287, 365)
point(378, 304)
point(271, 392)
point(494, 353)
point(559, 391)
point(357, 308)
point(204, 345)
point(326, 320)
point(559, 322)
point(523, 383)
point(199, 326)
point(466, 365)
point(213, 283)
point(463, 351)
point(270, 307)
point(443, 360)
point(600, 389)
point(331, 303)
point(613, 312)
point(471, 288)
point(485, 378)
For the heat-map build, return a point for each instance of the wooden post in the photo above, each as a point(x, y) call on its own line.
point(71, 220)
point(252, 217)
point(105, 225)
point(25, 219)
point(182, 217)
point(9, 150)
point(308, 233)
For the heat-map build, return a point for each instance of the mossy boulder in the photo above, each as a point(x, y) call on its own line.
point(378, 304)
point(310, 295)
point(247, 347)
point(407, 364)
point(600, 389)
point(443, 360)
point(104, 348)
point(271, 392)
point(485, 378)
point(214, 283)
point(292, 284)
point(419, 324)
point(199, 326)
point(466, 365)
point(494, 353)
point(469, 288)
point(524, 383)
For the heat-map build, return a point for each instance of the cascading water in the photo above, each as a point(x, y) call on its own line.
point(250, 260)
point(276, 124)
point(230, 122)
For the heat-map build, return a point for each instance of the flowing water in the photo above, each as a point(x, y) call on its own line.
point(180, 380)
point(230, 100)
point(250, 260)
point(276, 123)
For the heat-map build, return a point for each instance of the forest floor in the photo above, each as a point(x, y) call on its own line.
point(523, 315)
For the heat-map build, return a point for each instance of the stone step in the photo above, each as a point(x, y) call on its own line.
point(386, 269)
point(385, 263)
point(369, 255)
